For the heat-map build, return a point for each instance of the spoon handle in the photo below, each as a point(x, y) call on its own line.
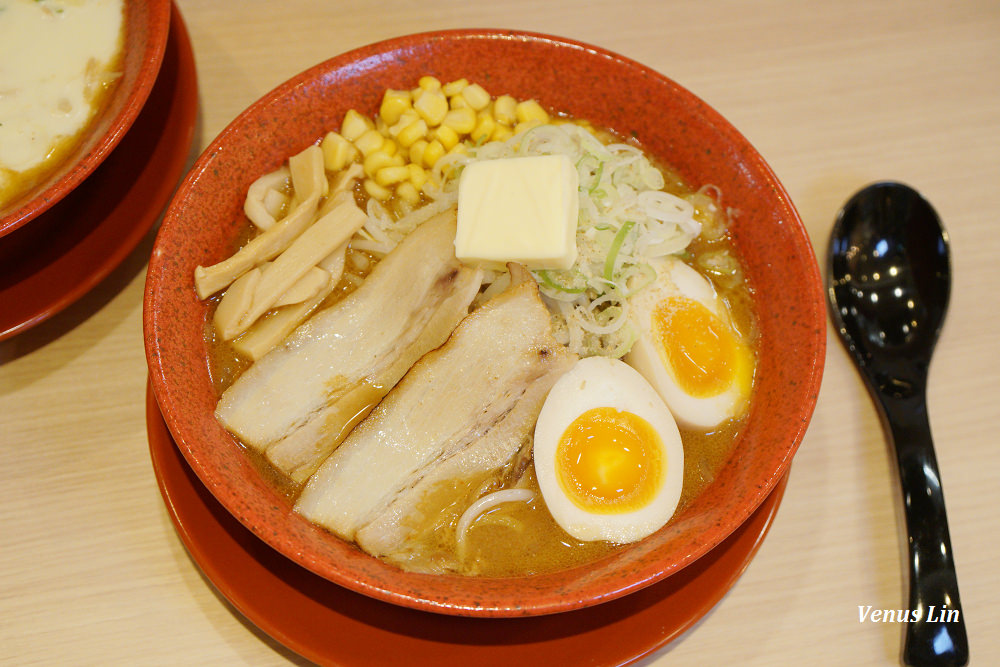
point(937, 636)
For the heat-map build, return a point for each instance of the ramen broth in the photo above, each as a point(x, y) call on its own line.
point(518, 538)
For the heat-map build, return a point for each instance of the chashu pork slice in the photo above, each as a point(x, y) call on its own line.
point(298, 402)
point(510, 438)
point(466, 405)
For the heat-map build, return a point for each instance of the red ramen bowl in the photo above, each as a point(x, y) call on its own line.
point(146, 27)
point(205, 218)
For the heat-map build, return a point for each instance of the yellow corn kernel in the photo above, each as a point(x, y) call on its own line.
point(375, 190)
point(432, 105)
point(505, 110)
point(457, 102)
point(524, 126)
point(454, 87)
point(408, 193)
point(391, 175)
point(337, 151)
point(462, 121)
point(531, 110)
point(394, 103)
point(484, 128)
point(433, 153)
point(429, 83)
point(417, 150)
point(415, 130)
point(369, 142)
point(447, 136)
point(389, 146)
point(501, 133)
point(405, 120)
point(476, 96)
point(461, 149)
point(417, 175)
point(375, 161)
point(354, 125)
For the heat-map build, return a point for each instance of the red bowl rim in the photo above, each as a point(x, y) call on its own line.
point(421, 591)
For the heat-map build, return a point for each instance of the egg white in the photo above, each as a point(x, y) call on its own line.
point(597, 382)
point(674, 279)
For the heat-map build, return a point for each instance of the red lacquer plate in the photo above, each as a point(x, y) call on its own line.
point(331, 625)
point(146, 28)
point(69, 249)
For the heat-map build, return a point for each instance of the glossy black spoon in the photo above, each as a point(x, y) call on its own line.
point(888, 283)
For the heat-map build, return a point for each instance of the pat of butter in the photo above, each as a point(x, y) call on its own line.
point(521, 209)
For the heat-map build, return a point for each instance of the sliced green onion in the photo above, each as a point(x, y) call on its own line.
point(616, 246)
point(592, 166)
point(645, 275)
point(608, 315)
point(630, 335)
point(550, 282)
point(597, 177)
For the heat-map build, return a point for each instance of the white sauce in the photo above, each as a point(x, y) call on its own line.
point(52, 54)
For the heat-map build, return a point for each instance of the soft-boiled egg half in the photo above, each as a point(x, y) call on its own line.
point(688, 348)
point(607, 453)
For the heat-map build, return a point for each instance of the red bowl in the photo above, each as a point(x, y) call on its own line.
point(146, 26)
point(202, 223)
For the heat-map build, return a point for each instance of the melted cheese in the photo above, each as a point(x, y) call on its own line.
point(56, 58)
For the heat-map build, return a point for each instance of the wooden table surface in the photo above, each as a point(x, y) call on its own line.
point(833, 94)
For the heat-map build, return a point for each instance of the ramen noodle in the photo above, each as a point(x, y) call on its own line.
point(403, 397)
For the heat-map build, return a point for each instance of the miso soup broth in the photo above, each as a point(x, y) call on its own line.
point(513, 538)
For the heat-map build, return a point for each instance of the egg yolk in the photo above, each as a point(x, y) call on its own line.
point(699, 347)
point(610, 461)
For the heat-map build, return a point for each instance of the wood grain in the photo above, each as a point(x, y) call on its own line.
point(834, 95)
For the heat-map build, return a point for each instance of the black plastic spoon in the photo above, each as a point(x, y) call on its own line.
point(888, 283)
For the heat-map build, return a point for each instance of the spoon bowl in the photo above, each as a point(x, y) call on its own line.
point(888, 283)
